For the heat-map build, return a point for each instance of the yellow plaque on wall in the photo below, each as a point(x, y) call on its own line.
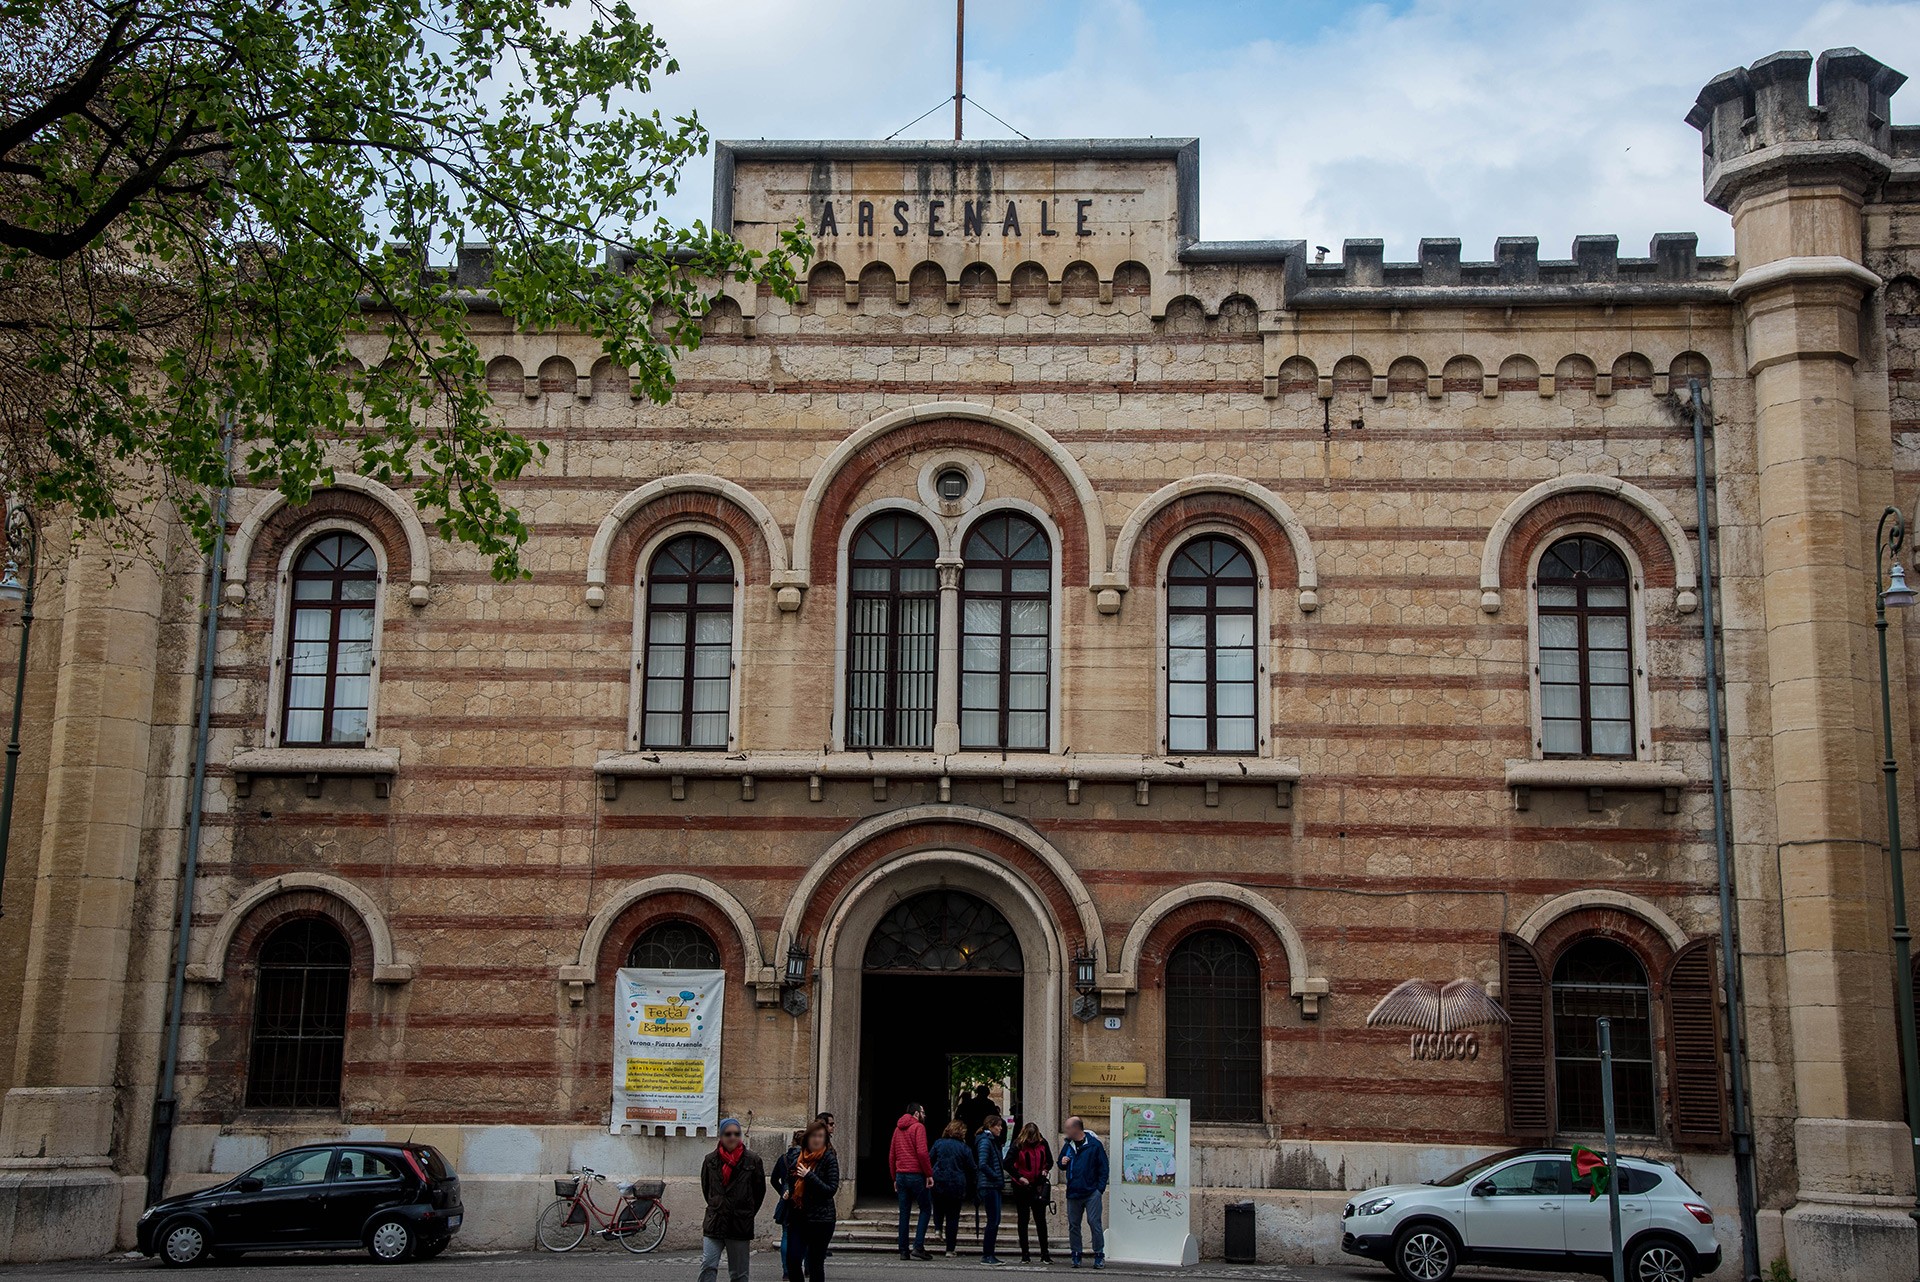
point(1103, 1074)
point(1090, 1105)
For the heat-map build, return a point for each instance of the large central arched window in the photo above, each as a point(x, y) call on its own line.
point(1212, 701)
point(1586, 652)
point(1006, 634)
point(329, 657)
point(299, 1016)
point(674, 945)
point(1213, 1026)
point(1598, 979)
point(893, 613)
point(689, 644)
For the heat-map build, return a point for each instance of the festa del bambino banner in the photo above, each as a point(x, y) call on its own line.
point(666, 1049)
point(1149, 1221)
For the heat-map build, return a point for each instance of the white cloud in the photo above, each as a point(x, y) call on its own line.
point(1468, 118)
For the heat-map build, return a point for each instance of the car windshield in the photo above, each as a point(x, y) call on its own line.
point(302, 1166)
point(1471, 1169)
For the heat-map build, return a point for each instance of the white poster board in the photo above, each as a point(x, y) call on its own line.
point(1148, 1217)
point(666, 1049)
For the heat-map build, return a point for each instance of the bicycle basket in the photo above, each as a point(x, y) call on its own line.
point(643, 1189)
point(566, 1188)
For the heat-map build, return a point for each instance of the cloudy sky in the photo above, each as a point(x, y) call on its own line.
point(1318, 119)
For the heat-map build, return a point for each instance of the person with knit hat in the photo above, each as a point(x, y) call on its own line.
point(734, 1183)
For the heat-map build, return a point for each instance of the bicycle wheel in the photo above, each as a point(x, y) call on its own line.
point(559, 1229)
point(642, 1225)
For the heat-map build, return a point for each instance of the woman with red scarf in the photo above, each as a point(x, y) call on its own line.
point(734, 1183)
point(810, 1210)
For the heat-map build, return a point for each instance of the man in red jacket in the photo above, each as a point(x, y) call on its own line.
point(908, 1163)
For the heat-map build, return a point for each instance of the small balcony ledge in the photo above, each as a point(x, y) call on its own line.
point(1596, 779)
point(1013, 769)
point(316, 764)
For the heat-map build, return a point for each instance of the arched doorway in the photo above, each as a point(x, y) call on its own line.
point(941, 997)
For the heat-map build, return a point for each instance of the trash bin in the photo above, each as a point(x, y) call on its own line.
point(1240, 1233)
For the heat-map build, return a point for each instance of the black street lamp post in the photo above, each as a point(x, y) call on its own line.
point(23, 545)
point(1890, 590)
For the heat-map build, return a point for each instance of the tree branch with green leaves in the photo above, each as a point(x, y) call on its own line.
point(212, 211)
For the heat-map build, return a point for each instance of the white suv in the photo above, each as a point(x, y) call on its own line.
point(1519, 1209)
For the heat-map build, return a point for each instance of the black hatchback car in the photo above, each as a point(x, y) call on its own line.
point(394, 1201)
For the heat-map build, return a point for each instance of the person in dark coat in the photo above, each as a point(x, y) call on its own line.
point(989, 1157)
point(954, 1171)
point(815, 1182)
point(734, 1183)
point(973, 1110)
point(781, 1177)
point(1030, 1167)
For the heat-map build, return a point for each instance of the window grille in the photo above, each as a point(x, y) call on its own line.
point(689, 645)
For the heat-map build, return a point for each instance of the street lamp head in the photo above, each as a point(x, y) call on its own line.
point(11, 588)
point(1898, 596)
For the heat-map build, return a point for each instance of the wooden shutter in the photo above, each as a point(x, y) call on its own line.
point(1696, 1079)
point(1523, 986)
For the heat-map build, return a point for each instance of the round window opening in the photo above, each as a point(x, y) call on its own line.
point(951, 485)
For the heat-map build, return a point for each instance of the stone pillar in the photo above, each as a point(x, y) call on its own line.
point(1795, 180)
point(946, 686)
point(60, 1194)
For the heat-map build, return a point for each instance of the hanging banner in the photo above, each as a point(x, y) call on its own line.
point(1148, 1218)
point(666, 1049)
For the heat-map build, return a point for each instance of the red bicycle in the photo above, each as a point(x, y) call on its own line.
point(638, 1221)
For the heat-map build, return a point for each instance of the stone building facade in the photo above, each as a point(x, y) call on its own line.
point(1210, 637)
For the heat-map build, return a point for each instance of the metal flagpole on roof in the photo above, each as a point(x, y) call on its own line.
point(959, 62)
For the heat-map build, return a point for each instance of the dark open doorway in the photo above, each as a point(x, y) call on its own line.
point(942, 983)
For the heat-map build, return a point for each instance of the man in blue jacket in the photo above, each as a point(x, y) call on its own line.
point(1084, 1159)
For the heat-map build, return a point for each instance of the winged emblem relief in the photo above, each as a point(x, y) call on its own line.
point(1440, 1015)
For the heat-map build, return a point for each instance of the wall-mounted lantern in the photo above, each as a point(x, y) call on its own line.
point(793, 996)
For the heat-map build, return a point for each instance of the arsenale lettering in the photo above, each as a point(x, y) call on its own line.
point(931, 217)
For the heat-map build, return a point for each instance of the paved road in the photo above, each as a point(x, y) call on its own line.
point(587, 1265)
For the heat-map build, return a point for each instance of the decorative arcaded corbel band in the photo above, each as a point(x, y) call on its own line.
point(1686, 574)
point(689, 483)
point(240, 548)
point(1111, 585)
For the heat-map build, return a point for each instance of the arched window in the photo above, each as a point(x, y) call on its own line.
point(1212, 701)
point(1598, 979)
point(1586, 654)
point(689, 645)
point(1213, 1027)
point(1006, 634)
point(299, 1016)
point(893, 642)
point(674, 945)
point(329, 657)
point(943, 930)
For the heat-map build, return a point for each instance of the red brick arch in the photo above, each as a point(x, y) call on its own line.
point(1637, 935)
point(695, 507)
point(1215, 914)
point(671, 906)
point(1252, 523)
point(1056, 487)
point(243, 951)
point(289, 524)
point(952, 835)
point(1609, 512)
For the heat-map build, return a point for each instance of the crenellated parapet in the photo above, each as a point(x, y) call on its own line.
point(1671, 272)
point(1759, 128)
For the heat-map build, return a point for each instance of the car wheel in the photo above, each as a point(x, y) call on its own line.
point(391, 1241)
point(1425, 1253)
point(1659, 1261)
point(183, 1243)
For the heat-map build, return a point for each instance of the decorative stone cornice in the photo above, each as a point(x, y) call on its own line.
point(1819, 268)
point(1595, 778)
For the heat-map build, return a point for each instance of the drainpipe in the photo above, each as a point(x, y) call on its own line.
point(160, 1138)
point(1729, 934)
